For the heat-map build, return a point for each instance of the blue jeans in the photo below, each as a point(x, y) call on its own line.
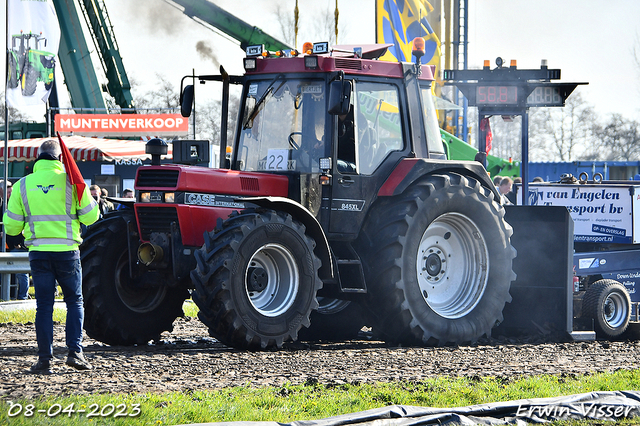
point(68, 274)
point(23, 283)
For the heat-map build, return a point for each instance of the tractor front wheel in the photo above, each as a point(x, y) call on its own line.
point(120, 309)
point(256, 280)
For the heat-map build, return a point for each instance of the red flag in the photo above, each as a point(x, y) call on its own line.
point(72, 170)
point(485, 126)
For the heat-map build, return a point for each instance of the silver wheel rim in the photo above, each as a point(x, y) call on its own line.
point(281, 280)
point(615, 312)
point(452, 265)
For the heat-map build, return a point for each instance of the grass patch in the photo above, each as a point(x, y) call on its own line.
point(24, 316)
point(307, 402)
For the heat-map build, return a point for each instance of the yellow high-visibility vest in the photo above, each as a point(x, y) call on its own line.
point(45, 206)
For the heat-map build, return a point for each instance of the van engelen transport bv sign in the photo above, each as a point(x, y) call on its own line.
point(122, 124)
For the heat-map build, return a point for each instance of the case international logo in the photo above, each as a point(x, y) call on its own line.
point(122, 124)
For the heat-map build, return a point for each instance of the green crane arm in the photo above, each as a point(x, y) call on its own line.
point(108, 51)
point(213, 15)
point(80, 76)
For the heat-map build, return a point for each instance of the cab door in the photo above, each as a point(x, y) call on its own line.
point(364, 140)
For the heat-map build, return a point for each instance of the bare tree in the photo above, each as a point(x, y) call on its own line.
point(286, 20)
point(562, 134)
point(617, 140)
point(165, 95)
point(324, 28)
point(14, 114)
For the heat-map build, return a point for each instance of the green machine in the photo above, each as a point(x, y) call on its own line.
point(457, 149)
point(28, 64)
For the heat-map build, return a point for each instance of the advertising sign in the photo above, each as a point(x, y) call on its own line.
point(122, 124)
point(601, 213)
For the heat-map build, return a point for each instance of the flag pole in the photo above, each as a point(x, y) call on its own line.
point(6, 121)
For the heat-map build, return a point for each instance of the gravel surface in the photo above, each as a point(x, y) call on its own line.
point(188, 358)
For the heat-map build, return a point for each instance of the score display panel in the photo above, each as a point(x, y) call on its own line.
point(510, 95)
point(497, 95)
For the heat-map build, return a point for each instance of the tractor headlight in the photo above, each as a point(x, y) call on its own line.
point(145, 197)
point(169, 197)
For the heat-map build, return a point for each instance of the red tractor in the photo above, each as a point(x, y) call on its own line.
point(337, 208)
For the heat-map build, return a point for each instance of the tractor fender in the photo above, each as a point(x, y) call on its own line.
point(408, 170)
point(314, 229)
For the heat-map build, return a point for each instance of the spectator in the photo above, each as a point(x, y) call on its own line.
point(511, 195)
point(538, 179)
point(96, 193)
point(15, 243)
point(47, 209)
point(505, 188)
point(126, 193)
point(103, 195)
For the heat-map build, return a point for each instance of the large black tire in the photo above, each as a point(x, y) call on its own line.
point(13, 72)
point(256, 280)
point(438, 262)
point(120, 310)
point(607, 302)
point(335, 320)
point(29, 80)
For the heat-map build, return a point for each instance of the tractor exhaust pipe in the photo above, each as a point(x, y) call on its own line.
point(149, 253)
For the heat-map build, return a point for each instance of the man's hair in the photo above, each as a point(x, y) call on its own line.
point(94, 187)
point(497, 180)
point(127, 190)
point(506, 181)
point(50, 146)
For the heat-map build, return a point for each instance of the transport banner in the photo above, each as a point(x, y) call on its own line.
point(33, 36)
point(122, 124)
point(601, 213)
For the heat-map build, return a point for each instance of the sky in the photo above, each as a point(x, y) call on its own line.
point(589, 40)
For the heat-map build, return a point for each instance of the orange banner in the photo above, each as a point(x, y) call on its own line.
point(122, 124)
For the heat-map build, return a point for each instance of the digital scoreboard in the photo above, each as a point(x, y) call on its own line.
point(496, 95)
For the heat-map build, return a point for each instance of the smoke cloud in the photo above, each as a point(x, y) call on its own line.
point(206, 51)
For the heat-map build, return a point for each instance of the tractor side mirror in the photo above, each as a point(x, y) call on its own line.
point(186, 101)
point(339, 97)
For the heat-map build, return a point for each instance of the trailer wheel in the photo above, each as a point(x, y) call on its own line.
point(335, 320)
point(29, 80)
point(13, 72)
point(120, 310)
point(439, 262)
point(256, 280)
point(607, 302)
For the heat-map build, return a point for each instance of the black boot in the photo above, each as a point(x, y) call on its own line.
point(78, 361)
point(41, 367)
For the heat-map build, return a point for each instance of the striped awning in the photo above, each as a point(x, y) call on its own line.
point(82, 148)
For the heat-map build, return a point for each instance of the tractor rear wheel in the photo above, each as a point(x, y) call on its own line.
point(256, 280)
point(607, 302)
point(438, 262)
point(29, 80)
point(120, 310)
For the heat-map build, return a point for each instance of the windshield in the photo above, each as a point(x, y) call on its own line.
point(283, 127)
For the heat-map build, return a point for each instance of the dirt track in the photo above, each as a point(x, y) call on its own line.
point(189, 359)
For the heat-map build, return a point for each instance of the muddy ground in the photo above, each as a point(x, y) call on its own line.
point(188, 359)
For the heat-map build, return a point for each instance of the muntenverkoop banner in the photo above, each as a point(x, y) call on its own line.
point(33, 36)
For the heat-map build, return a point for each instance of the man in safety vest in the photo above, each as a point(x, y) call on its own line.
point(45, 206)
